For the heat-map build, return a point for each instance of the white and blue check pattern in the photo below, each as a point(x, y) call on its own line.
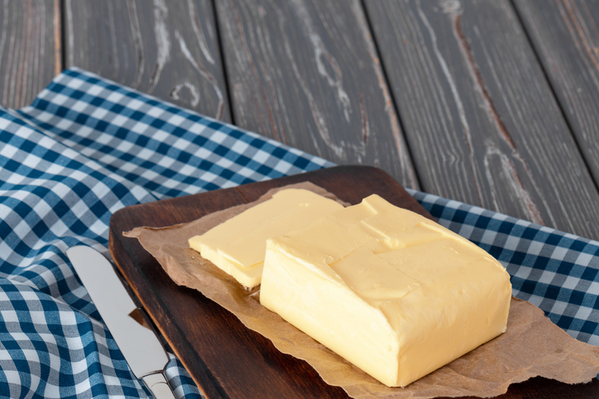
point(87, 147)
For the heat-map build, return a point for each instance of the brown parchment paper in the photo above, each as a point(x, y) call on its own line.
point(532, 346)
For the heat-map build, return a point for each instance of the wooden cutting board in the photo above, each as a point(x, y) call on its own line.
point(224, 358)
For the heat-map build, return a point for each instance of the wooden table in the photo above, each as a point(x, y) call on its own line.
point(493, 103)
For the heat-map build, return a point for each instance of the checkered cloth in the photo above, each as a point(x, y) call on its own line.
point(87, 147)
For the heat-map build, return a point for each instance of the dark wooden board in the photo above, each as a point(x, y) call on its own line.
point(307, 74)
point(224, 358)
point(30, 49)
point(166, 49)
point(566, 39)
point(480, 118)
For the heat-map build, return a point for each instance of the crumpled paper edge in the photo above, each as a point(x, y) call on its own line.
point(542, 350)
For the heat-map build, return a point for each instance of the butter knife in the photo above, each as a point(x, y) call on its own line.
point(141, 348)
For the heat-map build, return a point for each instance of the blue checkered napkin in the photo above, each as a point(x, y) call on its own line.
point(165, 149)
point(558, 272)
point(84, 149)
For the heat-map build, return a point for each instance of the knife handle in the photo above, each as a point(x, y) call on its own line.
point(159, 386)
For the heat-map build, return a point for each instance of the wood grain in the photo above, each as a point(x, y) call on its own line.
point(566, 37)
point(479, 115)
point(169, 50)
point(307, 73)
point(30, 49)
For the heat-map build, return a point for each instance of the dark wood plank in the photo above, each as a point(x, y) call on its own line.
point(30, 49)
point(306, 73)
point(480, 118)
point(565, 34)
point(169, 50)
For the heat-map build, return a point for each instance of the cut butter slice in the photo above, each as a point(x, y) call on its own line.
point(238, 245)
point(392, 292)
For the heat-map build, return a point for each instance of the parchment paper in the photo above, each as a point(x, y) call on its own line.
point(532, 346)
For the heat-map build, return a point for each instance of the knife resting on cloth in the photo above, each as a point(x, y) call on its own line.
point(140, 346)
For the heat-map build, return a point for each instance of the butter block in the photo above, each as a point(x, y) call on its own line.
point(238, 245)
point(389, 290)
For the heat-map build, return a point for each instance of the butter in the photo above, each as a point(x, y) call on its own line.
point(238, 245)
point(392, 292)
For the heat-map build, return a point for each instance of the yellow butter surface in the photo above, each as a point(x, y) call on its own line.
point(238, 245)
point(392, 292)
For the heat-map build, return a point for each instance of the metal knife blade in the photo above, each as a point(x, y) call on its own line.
point(140, 346)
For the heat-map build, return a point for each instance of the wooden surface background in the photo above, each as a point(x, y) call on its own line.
point(493, 103)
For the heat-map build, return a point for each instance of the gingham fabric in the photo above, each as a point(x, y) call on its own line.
point(87, 147)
